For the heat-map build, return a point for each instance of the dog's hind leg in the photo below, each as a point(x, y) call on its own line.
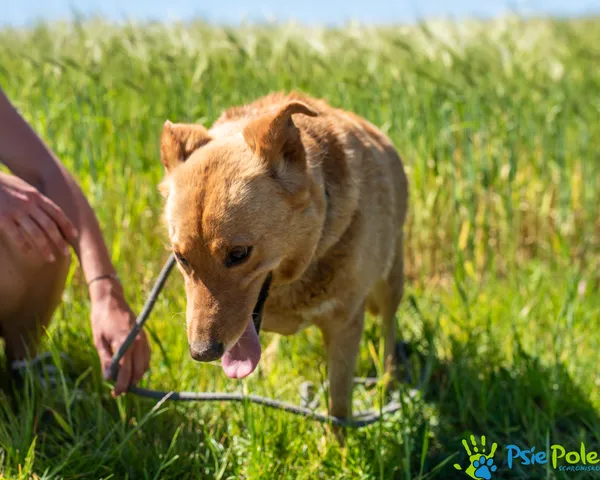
point(385, 298)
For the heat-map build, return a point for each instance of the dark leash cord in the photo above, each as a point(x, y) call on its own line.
point(361, 419)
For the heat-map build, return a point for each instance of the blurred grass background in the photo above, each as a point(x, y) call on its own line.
point(498, 124)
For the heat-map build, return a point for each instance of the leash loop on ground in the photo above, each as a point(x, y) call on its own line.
point(362, 419)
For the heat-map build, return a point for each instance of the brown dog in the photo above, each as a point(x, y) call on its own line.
point(290, 193)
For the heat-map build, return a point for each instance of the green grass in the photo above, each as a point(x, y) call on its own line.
point(499, 127)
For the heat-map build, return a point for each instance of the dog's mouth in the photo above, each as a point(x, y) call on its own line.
point(241, 359)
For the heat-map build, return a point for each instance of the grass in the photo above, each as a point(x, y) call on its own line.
point(499, 127)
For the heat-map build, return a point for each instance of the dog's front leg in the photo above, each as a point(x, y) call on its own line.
point(342, 336)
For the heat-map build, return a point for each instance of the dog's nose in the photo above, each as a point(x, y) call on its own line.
point(206, 351)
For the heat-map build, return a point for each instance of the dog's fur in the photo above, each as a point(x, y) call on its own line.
point(320, 195)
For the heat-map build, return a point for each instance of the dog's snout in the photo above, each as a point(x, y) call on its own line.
point(206, 351)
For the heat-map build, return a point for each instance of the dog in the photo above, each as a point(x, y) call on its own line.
point(286, 213)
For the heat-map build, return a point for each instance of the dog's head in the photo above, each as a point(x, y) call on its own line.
point(240, 209)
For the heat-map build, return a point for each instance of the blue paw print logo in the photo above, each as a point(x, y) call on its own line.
point(483, 468)
point(481, 463)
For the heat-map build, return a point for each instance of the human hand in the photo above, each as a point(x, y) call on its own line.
point(32, 220)
point(112, 320)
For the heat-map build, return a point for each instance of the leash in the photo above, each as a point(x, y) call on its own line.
point(306, 410)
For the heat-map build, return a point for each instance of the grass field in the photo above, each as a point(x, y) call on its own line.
point(499, 127)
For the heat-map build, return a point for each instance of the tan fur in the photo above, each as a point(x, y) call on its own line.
point(321, 199)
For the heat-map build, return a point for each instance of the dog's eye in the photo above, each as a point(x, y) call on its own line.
point(237, 255)
point(182, 259)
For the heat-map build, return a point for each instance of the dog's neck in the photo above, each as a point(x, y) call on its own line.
point(328, 157)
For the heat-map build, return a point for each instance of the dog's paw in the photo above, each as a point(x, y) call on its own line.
point(335, 436)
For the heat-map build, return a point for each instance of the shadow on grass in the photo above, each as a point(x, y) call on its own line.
point(77, 431)
point(528, 405)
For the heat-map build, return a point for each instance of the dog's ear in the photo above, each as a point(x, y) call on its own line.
point(179, 140)
point(274, 136)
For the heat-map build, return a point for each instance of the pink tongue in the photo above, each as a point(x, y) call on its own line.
point(241, 359)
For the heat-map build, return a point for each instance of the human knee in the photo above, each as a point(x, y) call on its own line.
point(28, 276)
